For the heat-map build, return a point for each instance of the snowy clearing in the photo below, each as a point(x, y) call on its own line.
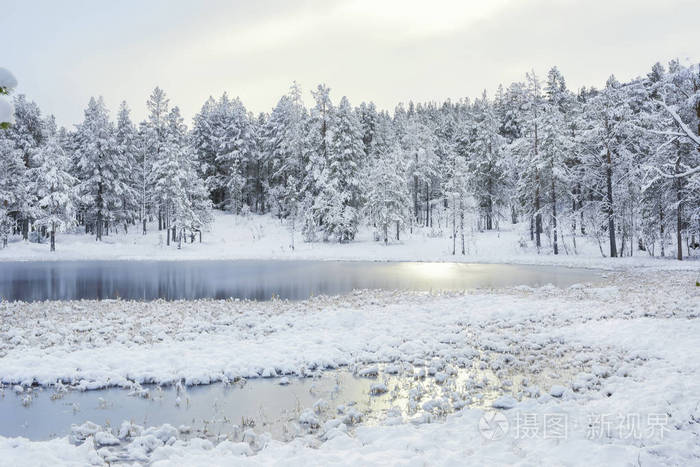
point(265, 237)
point(629, 346)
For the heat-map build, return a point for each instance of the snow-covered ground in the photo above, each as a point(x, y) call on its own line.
point(626, 353)
point(265, 237)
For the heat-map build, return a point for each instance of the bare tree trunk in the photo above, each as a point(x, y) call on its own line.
point(554, 218)
point(454, 225)
point(573, 223)
point(415, 197)
point(573, 218)
point(461, 222)
point(661, 228)
point(166, 226)
point(580, 208)
point(100, 206)
point(679, 212)
point(610, 212)
point(293, 220)
point(538, 215)
point(427, 204)
point(53, 236)
point(489, 206)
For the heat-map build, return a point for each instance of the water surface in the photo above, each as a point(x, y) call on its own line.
point(260, 279)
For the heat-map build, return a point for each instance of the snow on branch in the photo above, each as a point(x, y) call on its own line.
point(687, 132)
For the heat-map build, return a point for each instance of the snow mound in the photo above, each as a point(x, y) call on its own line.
point(557, 390)
point(504, 402)
point(7, 79)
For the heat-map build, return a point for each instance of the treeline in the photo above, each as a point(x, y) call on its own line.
point(620, 165)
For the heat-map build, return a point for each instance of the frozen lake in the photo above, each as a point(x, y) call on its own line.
point(260, 279)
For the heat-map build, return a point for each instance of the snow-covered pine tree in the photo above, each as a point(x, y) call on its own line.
point(317, 146)
point(26, 134)
point(14, 187)
point(127, 149)
point(283, 146)
point(418, 142)
point(530, 161)
point(456, 192)
point(289, 159)
point(205, 143)
point(676, 164)
point(606, 137)
point(482, 147)
point(142, 176)
point(387, 194)
point(341, 192)
point(369, 121)
point(154, 135)
point(102, 184)
point(234, 145)
point(9, 160)
point(54, 189)
point(167, 175)
point(192, 208)
point(557, 146)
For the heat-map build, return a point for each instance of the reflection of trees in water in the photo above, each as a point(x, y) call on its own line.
point(257, 280)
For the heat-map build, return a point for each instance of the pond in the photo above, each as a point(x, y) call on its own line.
point(278, 406)
point(260, 279)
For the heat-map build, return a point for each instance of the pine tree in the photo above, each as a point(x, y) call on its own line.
point(481, 145)
point(14, 187)
point(676, 165)
point(419, 143)
point(154, 138)
point(54, 188)
point(605, 140)
point(102, 183)
point(557, 147)
point(530, 161)
point(387, 193)
point(205, 142)
point(26, 135)
point(127, 149)
point(456, 191)
point(340, 193)
point(234, 146)
point(317, 147)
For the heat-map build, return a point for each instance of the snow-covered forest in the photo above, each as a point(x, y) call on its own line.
point(619, 165)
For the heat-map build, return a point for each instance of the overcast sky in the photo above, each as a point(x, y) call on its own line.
point(63, 52)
